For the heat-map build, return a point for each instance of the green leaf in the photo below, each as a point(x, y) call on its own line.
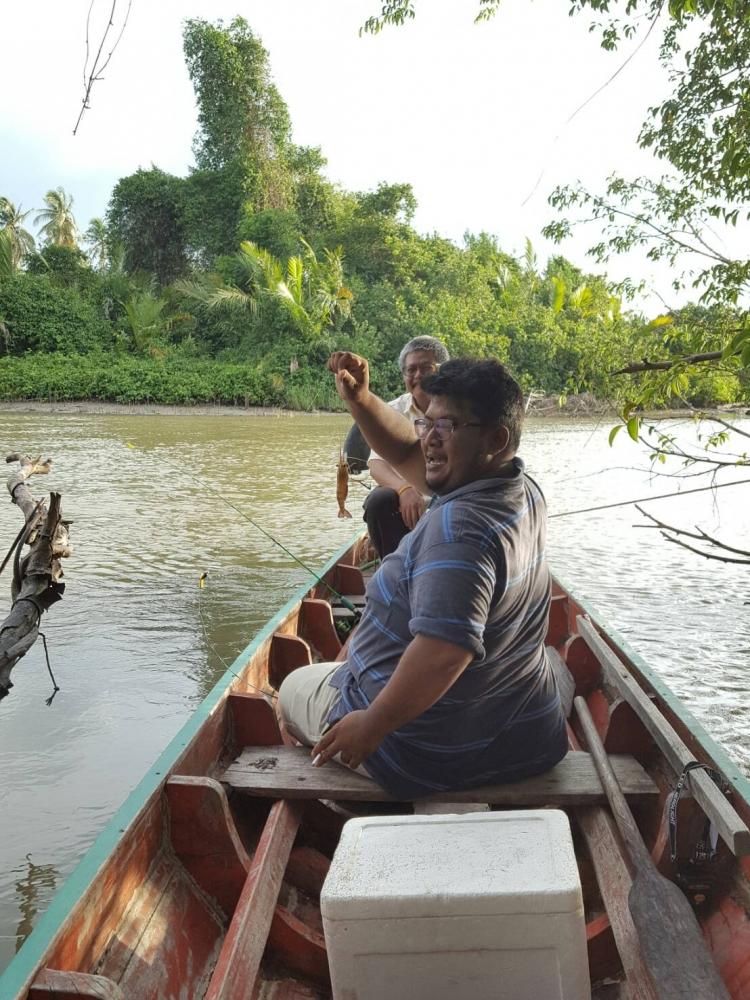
point(736, 343)
point(613, 433)
point(660, 321)
point(633, 426)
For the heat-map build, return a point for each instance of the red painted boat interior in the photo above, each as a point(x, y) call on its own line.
point(215, 896)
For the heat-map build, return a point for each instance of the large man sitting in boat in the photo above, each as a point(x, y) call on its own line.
point(446, 684)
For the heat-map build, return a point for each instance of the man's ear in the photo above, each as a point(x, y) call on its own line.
point(499, 440)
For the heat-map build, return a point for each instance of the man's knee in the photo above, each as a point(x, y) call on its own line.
point(381, 502)
point(306, 699)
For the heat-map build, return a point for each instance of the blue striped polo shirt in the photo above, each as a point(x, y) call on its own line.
point(473, 573)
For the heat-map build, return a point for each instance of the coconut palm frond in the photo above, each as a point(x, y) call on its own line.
point(295, 277)
point(529, 257)
point(582, 299)
point(558, 292)
point(199, 291)
point(231, 297)
point(335, 262)
point(259, 266)
point(7, 265)
point(97, 239)
point(12, 220)
point(58, 226)
point(297, 312)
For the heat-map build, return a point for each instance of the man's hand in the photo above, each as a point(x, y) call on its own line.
point(352, 375)
point(411, 507)
point(355, 737)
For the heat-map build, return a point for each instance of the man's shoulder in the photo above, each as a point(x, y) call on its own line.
point(402, 403)
point(458, 523)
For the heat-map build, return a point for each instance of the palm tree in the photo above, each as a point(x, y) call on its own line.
point(11, 221)
point(58, 225)
point(147, 322)
point(98, 243)
point(7, 270)
point(7, 267)
point(311, 291)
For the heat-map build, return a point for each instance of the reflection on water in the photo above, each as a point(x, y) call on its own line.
point(136, 644)
point(33, 891)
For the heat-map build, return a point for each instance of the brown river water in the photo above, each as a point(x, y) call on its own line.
point(135, 644)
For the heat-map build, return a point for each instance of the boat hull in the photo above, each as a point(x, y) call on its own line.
point(192, 892)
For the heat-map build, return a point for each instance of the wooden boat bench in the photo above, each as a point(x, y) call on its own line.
point(286, 772)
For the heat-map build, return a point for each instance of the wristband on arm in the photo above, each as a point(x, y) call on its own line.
point(402, 489)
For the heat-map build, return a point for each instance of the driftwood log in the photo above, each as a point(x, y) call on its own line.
point(37, 576)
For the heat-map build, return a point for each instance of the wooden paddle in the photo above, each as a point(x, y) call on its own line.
point(674, 950)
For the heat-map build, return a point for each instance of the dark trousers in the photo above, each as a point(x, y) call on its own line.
point(383, 520)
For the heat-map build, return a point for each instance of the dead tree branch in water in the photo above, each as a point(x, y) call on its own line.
point(37, 576)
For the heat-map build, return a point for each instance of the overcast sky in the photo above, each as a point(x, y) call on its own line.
point(469, 114)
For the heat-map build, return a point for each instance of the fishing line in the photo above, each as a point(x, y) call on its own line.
point(589, 99)
point(212, 647)
point(206, 486)
point(661, 496)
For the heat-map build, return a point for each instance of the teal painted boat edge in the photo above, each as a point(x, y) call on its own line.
point(721, 758)
point(19, 974)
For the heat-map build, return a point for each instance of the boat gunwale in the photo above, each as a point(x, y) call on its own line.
point(636, 663)
point(19, 974)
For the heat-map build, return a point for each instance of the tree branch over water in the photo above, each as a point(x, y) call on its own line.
point(662, 366)
point(37, 576)
point(669, 532)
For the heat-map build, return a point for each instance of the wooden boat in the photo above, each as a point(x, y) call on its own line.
point(206, 882)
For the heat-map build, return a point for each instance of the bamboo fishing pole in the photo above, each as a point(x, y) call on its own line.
point(661, 496)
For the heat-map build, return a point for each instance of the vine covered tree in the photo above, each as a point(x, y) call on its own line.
point(244, 129)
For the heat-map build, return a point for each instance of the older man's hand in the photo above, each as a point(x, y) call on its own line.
point(352, 375)
point(411, 506)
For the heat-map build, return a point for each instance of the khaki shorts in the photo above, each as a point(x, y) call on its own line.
point(305, 700)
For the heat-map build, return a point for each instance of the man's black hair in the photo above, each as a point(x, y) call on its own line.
point(486, 387)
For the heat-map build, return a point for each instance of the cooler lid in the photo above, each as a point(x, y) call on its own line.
point(471, 864)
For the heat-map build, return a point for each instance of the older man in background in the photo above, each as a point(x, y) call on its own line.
point(393, 508)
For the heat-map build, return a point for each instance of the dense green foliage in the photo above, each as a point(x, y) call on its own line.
point(124, 379)
point(232, 284)
point(699, 355)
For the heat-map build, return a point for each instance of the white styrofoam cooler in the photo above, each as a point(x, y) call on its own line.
point(480, 905)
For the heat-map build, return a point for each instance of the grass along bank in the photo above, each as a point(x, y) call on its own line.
point(109, 378)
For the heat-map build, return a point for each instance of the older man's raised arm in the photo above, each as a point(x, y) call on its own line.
point(385, 430)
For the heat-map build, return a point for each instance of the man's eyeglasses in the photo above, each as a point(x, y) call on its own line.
point(443, 426)
point(425, 369)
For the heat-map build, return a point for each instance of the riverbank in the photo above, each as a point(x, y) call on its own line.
point(98, 407)
point(547, 407)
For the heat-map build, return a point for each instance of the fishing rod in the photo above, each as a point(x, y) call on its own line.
point(206, 486)
point(661, 496)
